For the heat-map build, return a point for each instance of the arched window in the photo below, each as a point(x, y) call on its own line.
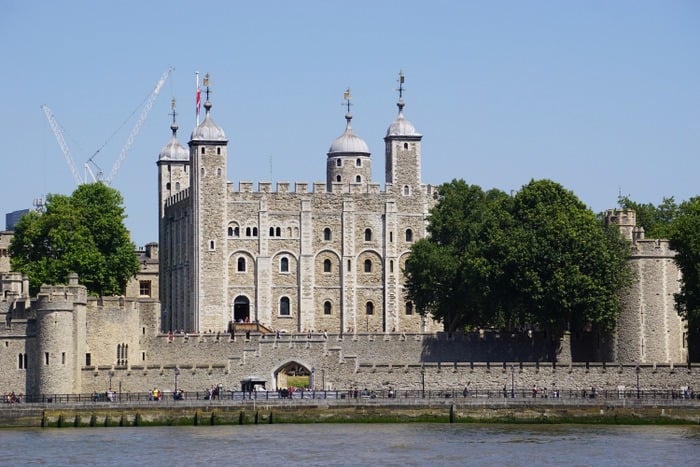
point(337, 178)
point(272, 231)
point(285, 309)
point(405, 145)
point(358, 162)
point(218, 172)
point(368, 235)
point(255, 231)
point(358, 179)
point(236, 231)
point(409, 308)
point(338, 163)
point(247, 231)
point(278, 232)
point(368, 265)
point(177, 186)
point(369, 308)
point(230, 231)
point(284, 264)
point(326, 265)
point(327, 308)
point(406, 190)
point(326, 234)
point(241, 264)
point(409, 235)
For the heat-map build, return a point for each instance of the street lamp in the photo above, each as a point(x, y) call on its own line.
point(177, 373)
point(512, 382)
point(422, 382)
point(637, 370)
point(312, 379)
point(323, 378)
point(111, 373)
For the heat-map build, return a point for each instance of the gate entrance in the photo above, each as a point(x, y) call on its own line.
point(292, 374)
point(241, 309)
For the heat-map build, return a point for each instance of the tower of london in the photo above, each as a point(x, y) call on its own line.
point(327, 256)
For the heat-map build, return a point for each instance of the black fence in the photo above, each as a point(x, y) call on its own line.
point(465, 395)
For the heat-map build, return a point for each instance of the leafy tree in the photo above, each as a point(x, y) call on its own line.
point(540, 258)
point(82, 233)
point(452, 272)
point(685, 240)
point(656, 220)
point(567, 267)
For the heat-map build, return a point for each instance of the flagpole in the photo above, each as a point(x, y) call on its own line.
point(198, 97)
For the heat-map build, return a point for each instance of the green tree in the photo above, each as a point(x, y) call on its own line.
point(567, 267)
point(685, 240)
point(540, 258)
point(453, 272)
point(82, 233)
point(657, 221)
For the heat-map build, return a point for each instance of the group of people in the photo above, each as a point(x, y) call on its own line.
point(214, 392)
point(155, 395)
point(12, 398)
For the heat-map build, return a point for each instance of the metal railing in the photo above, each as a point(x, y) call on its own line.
point(386, 395)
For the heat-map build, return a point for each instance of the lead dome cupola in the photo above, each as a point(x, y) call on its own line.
point(348, 142)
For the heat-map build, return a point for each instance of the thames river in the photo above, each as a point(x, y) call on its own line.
point(355, 444)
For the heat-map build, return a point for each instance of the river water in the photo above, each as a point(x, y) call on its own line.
point(354, 444)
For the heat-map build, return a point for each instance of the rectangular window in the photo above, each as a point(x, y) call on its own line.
point(145, 288)
point(88, 359)
point(63, 358)
point(46, 358)
point(143, 356)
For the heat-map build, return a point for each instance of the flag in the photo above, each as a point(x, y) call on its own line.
point(198, 98)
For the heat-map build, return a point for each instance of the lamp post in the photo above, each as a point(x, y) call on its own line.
point(323, 378)
point(111, 373)
point(512, 382)
point(422, 382)
point(637, 371)
point(312, 379)
point(177, 373)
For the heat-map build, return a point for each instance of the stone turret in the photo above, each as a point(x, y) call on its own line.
point(55, 363)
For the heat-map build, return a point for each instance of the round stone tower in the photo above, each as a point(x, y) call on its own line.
point(60, 338)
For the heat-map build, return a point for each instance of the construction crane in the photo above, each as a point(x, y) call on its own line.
point(62, 143)
point(139, 123)
point(98, 175)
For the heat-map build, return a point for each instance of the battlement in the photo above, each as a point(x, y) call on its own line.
point(317, 188)
point(178, 197)
point(652, 248)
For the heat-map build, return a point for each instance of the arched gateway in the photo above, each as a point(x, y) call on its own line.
point(292, 373)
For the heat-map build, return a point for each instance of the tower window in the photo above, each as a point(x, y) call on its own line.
point(255, 231)
point(236, 232)
point(218, 152)
point(285, 309)
point(218, 172)
point(358, 162)
point(278, 232)
point(212, 245)
point(368, 235)
point(368, 265)
point(409, 308)
point(406, 190)
point(241, 264)
point(247, 231)
point(167, 186)
point(391, 266)
point(145, 288)
point(326, 265)
point(202, 151)
point(327, 308)
point(405, 145)
point(272, 231)
point(409, 235)
point(230, 231)
point(284, 264)
point(369, 308)
point(338, 163)
point(337, 178)
point(358, 179)
point(326, 234)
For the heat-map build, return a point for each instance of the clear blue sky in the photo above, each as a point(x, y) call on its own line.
point(600, 96)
